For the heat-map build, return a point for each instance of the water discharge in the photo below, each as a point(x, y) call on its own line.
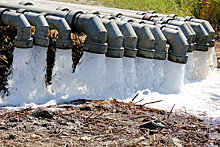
point(144, 73)
point(129, 70)
point(194, 86)
point(26, 83)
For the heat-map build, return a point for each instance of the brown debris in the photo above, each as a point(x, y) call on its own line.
point(105, 124)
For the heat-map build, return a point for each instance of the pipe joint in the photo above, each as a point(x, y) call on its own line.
point(96, 33)
point(178, 45)
point(114, 39)
point(19, 21)
point(64, 37)
point(129, 38)
point(145, 42)
point(41, 28)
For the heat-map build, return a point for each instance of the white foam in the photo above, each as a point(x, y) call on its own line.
point(173, 76)
point(144, 73)
point(28, 73)
point(90, 76)
point(189, 68)
point(158, 73)
point(62, 72)
point(129, 70)
point(114, 78)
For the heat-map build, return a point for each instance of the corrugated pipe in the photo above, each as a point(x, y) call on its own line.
point(114, 35)
point(89, 24)
point(41, 27)
point(23, 38)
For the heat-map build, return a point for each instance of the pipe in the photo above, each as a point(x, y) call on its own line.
point(129, 36)
point(23, 38)
point(178, 45)
point(114, 35)
point(41, 27)
point(145, 42)
point(187, 33)
point(201, 36)
point(208, 28)
point(160, 40)
point(64, 40)
point(114, 39)
point(89, 24)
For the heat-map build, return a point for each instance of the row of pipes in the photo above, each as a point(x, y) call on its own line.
point(142, 34)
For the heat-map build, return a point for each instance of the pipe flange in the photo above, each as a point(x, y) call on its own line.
point(172, 16)
point(22, 11)
point(117, 14)
point(115, 52)
point(63, 9)
point(149, 16)
point(128, 52)
point(212, 43)
point(146, 53)
point(160, 55)
point(93, 12)
point(2, 10)
point(64, 44)
point(94, 47)
point(70, 18)
point(191, 47)
point(21, 43)
point(26, 3)
point(141, 13)
point(202, 47)
point(41, 41)
point(166, 19)
point(188, 18)
point(177, 58)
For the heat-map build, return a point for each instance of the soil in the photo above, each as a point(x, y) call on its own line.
point(103, 123)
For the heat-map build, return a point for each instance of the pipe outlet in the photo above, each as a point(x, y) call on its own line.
point(129, 40)
point(114, 39)
point(19, 21)
point(186, 31)
point(145, 42)
point(160, 41)
point(178, 45)
point(201, 36)
point(64, 37)
point(41, 27)
point(92, 26)
point(209, 30)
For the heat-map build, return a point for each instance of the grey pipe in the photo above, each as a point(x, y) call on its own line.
point(41, 27)
point(160, 40)
point(184, 28)
point(208, 28)
point(114, 39)
point(145, 42)
point(114, 35)
point(178, 45)
point(23, 38)
point(91, 25)
point(201, 37)
point(64, 37)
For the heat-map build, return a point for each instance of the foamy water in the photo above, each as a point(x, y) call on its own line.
point(194, 87)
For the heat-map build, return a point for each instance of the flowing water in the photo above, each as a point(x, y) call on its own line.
point(144, 73)
point(194, 87)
